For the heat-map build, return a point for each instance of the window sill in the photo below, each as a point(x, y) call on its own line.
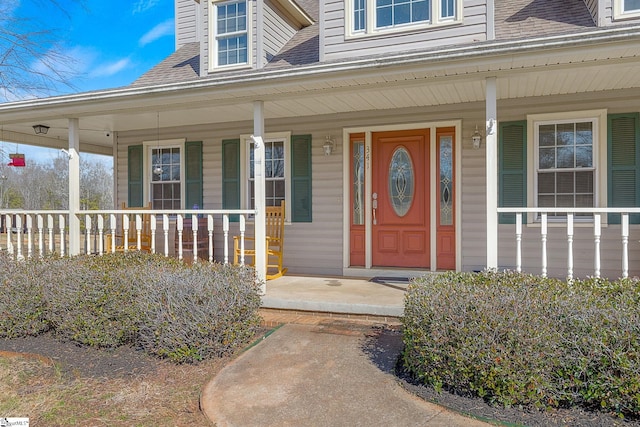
point(409, 28)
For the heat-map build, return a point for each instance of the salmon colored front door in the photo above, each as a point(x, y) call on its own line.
point(400, 199)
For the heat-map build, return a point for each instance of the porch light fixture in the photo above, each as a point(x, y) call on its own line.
point(40, 129)
point(157, 169)
point(328, 146)
point(476, 139)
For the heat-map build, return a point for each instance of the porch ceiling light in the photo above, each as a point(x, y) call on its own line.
point(328, 146)
point(476, 139)
point(40, 129)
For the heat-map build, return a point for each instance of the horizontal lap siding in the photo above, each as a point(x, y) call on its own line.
point(185, 22)
point(336, 46)
point(277, 30)
point(474, 203)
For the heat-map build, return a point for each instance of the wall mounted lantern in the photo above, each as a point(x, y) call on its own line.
point(40, 129)
point(476, 139)
point(328, 146)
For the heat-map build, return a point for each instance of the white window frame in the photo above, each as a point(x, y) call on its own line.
point(149, 146)
point(246, 141)
point(213, 37)
point(370, 29)
point(599, 120)
point(619, 12)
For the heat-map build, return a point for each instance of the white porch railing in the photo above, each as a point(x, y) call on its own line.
point(568, 220)
point(36, 233)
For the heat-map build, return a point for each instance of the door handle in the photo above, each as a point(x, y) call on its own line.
point(374, 205)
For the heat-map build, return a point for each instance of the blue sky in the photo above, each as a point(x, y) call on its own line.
point(111, 42)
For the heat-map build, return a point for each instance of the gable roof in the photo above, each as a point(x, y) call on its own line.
point(515, 19)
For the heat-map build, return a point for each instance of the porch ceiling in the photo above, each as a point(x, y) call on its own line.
point(410, 80)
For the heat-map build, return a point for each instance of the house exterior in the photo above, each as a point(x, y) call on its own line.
point(398, 131)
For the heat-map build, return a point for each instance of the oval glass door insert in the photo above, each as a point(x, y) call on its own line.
point(401, 181)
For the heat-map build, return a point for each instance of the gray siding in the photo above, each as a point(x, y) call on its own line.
point(278, 30)
point(336, 46)
point(186, 26)
point(324, 256)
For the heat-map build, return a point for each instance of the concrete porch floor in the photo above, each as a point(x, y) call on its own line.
point(356, 298)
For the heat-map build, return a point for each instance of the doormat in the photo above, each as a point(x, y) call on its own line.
point(393, 282)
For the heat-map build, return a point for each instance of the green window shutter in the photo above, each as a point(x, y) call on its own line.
point(135, 175)
point(512, 158)
point(193, 174)
point(231, 175)
point(623, 168)
point(301, 178)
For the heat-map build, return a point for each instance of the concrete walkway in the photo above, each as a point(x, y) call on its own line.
point(333, 373)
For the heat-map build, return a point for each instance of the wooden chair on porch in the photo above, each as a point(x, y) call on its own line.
point(132, 233)
point(274, 228)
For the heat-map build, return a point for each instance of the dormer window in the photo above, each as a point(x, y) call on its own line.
point(624, 9)
point(230, 33)
point(368, 17)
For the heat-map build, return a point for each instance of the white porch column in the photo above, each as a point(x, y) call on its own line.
point(492, 172)
point(74, 187)
point(259, 192)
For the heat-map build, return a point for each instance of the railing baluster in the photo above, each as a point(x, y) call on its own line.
point(225, 233)
point(29, 219)
point(139, 231)
point(596, 234)
point(40, 221)
point(8, 226)
point(153, 233)
point(165, 229)
point(625, 244)
point(100, 234)
point(570, 246)
point(87, 227)
point(113, 223)
point(519, 242)
point(50, 226)
point(194, 229)
point(179, 228)
point(61, 222)
point(125, 232)
point(543, 232)
point(19, 237)
point(242, 231)
point(210, 232)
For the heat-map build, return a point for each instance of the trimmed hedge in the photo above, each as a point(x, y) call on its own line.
point(522, 340)
point(184, 313)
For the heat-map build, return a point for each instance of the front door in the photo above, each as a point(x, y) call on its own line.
point(400, 199)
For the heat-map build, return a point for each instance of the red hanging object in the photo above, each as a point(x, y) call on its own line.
point(17, 160)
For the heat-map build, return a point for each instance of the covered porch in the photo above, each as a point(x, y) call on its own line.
point(467, 91)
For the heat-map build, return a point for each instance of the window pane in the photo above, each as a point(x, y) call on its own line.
point(447, 8)
point(565, 135)
point(547, 158)
point(563, 201)
point(565, 182)
point(584, 182)
point(547, 135)
point(358, 183)
point(584, 157)
point(631, 5)
point(565, 157)
point(383, 17)
point(546, 201)
point(402, 13)
point(584, 133)
point(547, 183)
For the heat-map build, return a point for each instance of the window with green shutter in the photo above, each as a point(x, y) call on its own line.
point(512, 158)
point(623, 179)
point(135, 176)
point(301, 178)
point(193, 174)
point(231, 175)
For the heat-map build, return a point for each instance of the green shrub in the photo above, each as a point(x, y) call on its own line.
point(22, 304)
point(93, 300)
point(516, 339)
point(199, 312)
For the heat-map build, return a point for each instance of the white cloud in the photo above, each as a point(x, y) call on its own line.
point(162, 29)
point(144, 5)
point(109, 69)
